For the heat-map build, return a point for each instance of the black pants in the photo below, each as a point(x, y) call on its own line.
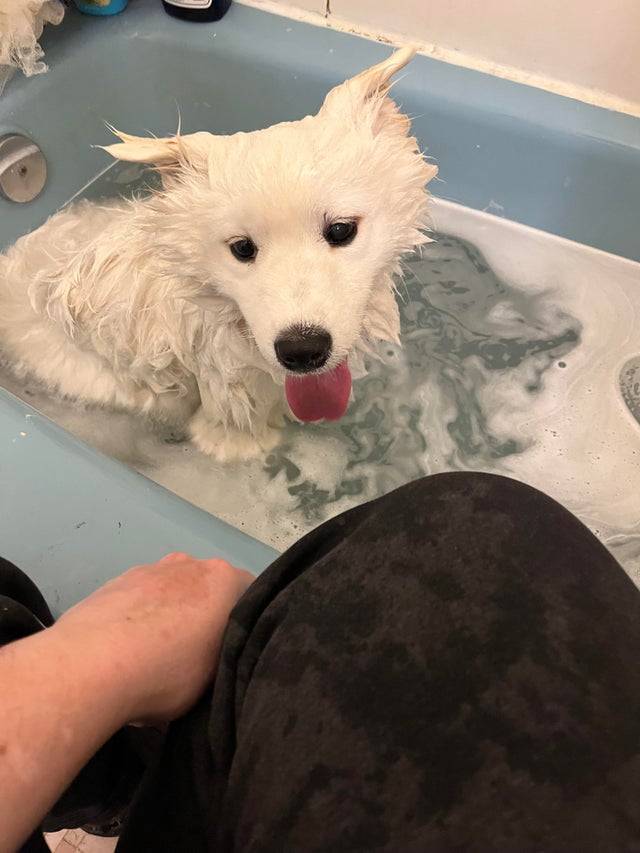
point(452, 667)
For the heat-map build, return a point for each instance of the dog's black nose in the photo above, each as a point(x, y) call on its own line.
point(302, 349)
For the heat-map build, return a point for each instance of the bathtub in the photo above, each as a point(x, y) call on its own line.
point(72, 517)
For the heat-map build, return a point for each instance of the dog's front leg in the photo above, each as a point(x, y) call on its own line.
point(232, 421)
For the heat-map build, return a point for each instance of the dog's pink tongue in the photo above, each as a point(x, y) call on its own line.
point(321, 396)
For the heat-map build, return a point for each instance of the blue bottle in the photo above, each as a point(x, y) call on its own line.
point(101, 7)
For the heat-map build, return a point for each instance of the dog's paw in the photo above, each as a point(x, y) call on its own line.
point(279, 415)
point(228, 444)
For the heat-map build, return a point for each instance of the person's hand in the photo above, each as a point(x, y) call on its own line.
point(155, 632)
point(141, 648)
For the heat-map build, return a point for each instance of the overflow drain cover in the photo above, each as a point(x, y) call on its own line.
point(23, 169)
point(630, 386)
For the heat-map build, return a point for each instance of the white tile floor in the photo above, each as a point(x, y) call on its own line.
point(76, 841)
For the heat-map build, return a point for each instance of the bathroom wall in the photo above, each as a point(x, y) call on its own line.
point(588, 49)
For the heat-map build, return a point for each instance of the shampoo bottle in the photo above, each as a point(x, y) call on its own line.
point(197, 10)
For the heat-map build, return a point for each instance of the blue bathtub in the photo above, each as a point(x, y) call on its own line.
point(72, 517)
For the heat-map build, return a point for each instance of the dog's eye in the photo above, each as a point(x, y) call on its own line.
point(244, 249)
point(341, 233)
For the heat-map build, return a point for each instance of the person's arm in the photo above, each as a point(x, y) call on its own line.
point(143, 647)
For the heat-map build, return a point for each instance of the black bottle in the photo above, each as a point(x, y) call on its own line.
point(197, 10)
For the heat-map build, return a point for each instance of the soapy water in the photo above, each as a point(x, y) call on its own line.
point(519, 355)
point(460, 323)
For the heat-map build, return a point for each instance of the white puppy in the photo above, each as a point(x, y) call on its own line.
point(266, 260)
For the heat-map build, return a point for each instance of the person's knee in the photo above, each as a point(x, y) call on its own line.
point(469, 494)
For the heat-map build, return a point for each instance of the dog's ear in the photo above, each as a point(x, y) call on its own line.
point(367, 94)
point(194, 149)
